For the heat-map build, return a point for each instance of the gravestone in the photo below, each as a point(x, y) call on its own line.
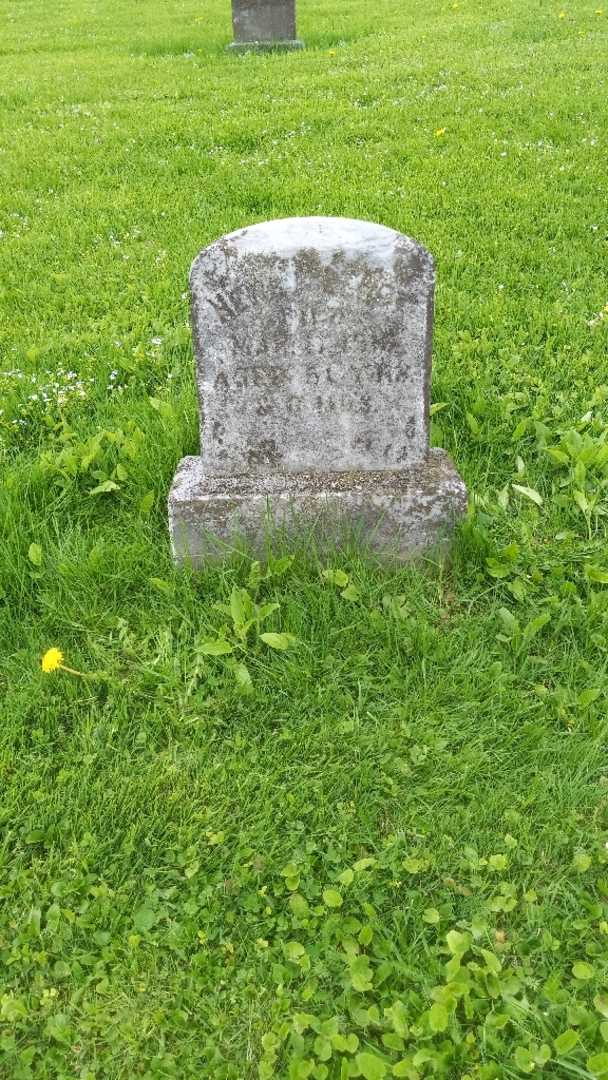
point(264, 24)
point(312, 339)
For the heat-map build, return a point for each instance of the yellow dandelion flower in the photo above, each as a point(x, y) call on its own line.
point(52, 659)
point(599, 11)
point(562, 14)
point(332, 52)
point(440, 132)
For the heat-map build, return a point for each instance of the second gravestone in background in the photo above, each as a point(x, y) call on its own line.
point(313, 355)
point(264, 24)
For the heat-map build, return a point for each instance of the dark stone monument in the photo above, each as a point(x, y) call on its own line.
point(264, 25)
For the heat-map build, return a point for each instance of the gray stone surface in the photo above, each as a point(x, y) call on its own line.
point(313, 353)
point(312, 338)
point(397, 514)
point(264, 24)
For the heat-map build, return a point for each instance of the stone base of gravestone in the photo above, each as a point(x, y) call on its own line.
point(397, 514)
point(264, 25)
point(265, 46)
point(312, 339)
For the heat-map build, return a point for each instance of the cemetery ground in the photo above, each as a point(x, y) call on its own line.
point(382, 850)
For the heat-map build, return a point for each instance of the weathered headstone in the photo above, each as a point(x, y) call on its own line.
point(312, 339)
point(264, 24)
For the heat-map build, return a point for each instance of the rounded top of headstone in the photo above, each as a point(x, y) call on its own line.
point(327, 236)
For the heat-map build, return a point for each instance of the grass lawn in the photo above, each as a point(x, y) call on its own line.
point(383, 851)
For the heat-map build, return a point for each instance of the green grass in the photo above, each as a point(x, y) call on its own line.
point(432, 750)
